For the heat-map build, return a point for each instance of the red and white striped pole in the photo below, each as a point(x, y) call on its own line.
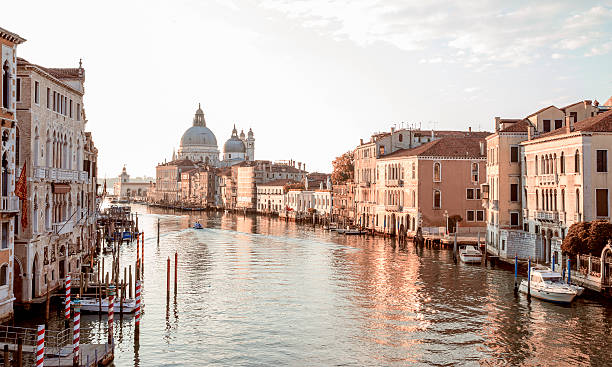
point(40, 346)
point(137, 310)
point(111, 309)
point(76, 336)
point(67, 306)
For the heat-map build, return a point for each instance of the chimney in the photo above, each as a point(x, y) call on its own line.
point(321, 185)
point(569, 124)
point(469, 130)
point(482, 148)
point(529, 132)
point(392, 130)
point(300, 166)
point(432, 134)
point(361, 141)
point(497, 119)
point(304, 166)
point(587, 102)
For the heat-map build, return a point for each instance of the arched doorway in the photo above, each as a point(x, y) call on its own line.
point(606, 265)
point(34, 276)
point(18, 280)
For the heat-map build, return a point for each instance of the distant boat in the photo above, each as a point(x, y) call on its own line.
point(470, 254)
point(197, 225)
point(548, 285)
point(354, 232)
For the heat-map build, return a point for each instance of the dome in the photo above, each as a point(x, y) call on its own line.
point(200, 136)
point(234, 145)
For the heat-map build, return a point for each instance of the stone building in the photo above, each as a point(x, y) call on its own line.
point(271, 196)
point(199, 187)
point(11, 162)
point(517, 224)
point(343, 208)
point(60, 160)
point(126, 188)
point(424, 186)
point(168, 181)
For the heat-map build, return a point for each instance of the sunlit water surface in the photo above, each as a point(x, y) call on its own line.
point(260, 291)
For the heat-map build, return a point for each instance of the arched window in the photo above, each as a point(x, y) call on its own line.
point(537, 200)
point(525, 164)
point(437, 199)
point(577, 201)
point(536, 165)
point(577, 162)
point(401, 137)
point(6, 85)
point(562, 163)
point(413, 199)
point(437, 175)
point(562, 200)
point(4, 274)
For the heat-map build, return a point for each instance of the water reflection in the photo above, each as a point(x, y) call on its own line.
point(260, 291)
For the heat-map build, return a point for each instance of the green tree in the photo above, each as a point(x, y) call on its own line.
point(587, 237)
point(344, 167)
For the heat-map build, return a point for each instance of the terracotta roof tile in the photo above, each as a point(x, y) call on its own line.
point(598, 123)
point(541, 110)
point(518, 127)
point(459, 147)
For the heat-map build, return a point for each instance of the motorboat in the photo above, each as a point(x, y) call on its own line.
point(470, 254)
point(197, 225)
point(89, 304)
point(548, 285)
point(579, 289)
point(353, 232)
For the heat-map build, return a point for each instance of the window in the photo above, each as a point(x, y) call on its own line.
point(562, 161)
point(5, 234)
point(514, 192)
point(602, 161)
point(382, 150)
point(480, 215)
point(574, 116)
point(514, 154)
point(3, 274)
point(437, 199)
point(514, 219)
point(48, 98)
point(6, 85)
point(18, 90)
point(536, 165)
point(70, 109)
point(78, 112)
point(54, 101)
point(601, 201)
point(577, 162)
point(401, 137)
point(36, 92)
point(437, 177)
point(470, 215)
point(470, 194)
point(546, 125)
point(413, 171)
point(558, 124)
point(475, 172)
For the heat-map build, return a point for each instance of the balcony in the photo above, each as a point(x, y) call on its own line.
point(392, 183)
point(392, 208)
point(40, 173)
point(550, 179)
point(562, 217)
point(9, 204)
point(52, 174)
point(63, 227)
point(83, 176)
point(364, 184)
point(547, 216)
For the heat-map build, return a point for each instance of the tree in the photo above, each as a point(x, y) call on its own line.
point(344, 167)
point(587, 237)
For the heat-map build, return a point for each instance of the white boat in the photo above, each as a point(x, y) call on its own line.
point(470, 254)
point(548, 285)
point(197, 225)
point(579, 289)
point(93, 305)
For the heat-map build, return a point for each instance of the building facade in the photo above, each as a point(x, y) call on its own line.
point(126, 188)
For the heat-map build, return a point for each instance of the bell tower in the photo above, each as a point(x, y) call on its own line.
point(250, 146)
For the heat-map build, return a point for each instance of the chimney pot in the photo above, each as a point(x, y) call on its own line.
point(482, 148)
point(470, 129)
point(497, 120)
point(361, 141)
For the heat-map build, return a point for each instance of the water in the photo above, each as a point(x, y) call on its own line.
point(259, 291)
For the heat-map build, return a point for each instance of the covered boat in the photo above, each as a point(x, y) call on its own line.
point(470, 254)
point(548, 285)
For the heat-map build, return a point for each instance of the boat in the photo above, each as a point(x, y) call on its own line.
point(354, 232)
point(470, 254)
point(197, 225)
point(548, 285)
point(108, 248)
point(89, 304)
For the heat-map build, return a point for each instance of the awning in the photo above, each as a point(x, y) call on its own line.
point(60, 188)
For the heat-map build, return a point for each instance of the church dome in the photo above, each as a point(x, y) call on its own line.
point(234, 144)
point(199, 135)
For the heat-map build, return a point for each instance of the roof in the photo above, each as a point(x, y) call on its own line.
point(61, 74)
point(542, 110)
point(599, 123)
point(10, 36)
point(458, 147)
point(280, 182)
point(519, 126)
point(179, 162)
point(570, 105)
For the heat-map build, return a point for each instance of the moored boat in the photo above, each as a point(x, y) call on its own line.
point(548, 285)
point(94, 305)
point(470, 254)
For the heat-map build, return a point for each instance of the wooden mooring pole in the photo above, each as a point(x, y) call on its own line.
point(19, 357)
point(158, 231)
point(168, 278)
point(175, 272)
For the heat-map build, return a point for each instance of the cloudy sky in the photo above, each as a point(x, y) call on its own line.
point(312, 77)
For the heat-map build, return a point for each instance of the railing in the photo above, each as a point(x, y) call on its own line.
point(53, 338)
point(83, 176)
point(392, 208)
point(63, 227)
point(52, 174)
point(9, 204)
point(392, 183)
point(40, 172)
point(550, 179)
point(364, 184)
point(547, 215)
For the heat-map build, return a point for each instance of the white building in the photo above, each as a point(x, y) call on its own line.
point(271, 197)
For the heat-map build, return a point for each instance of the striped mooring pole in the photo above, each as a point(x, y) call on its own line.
point(40, 346)
point(111, 309)
point(67, 306)
point(137, 310)
point(76, 336)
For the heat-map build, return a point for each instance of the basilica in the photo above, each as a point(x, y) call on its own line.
point(199, 144)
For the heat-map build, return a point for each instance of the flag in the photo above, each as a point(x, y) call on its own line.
point(21, 191)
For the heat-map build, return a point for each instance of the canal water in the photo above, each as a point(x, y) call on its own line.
point(259, 291)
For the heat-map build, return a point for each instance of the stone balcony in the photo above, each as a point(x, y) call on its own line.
point(393, 208)
point(9, 204)
point(394, 183)
point(364, 184)
point(63, 227)
point(54, 174)
point(550, 179)
point(547, 215)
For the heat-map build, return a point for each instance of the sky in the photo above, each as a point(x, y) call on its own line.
point(312, 77)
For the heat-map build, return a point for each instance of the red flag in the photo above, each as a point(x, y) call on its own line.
point(21, 191)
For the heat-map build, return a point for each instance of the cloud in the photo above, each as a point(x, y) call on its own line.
point(471, 89)
point(600, 49)
point(488, 32)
